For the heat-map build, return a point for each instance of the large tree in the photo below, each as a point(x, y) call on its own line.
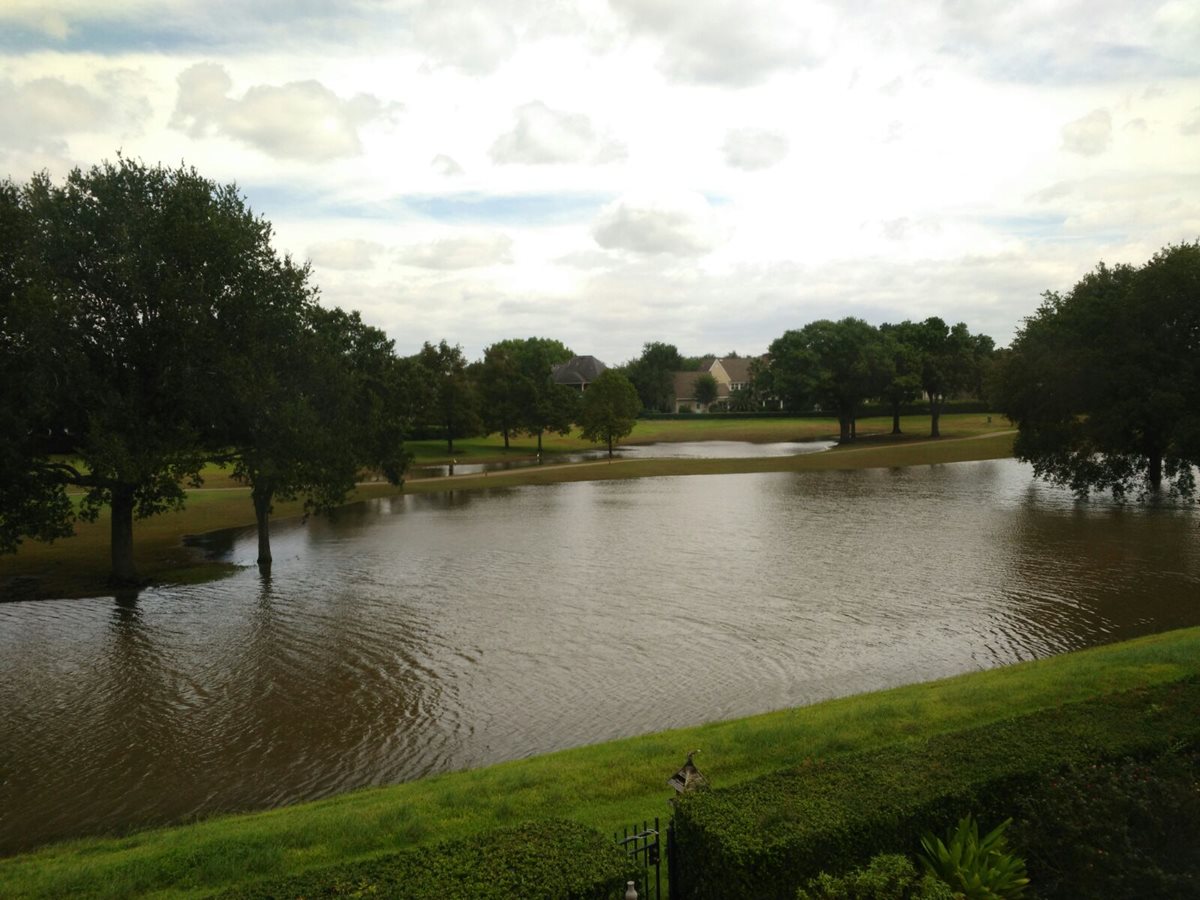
point(1104, 381)
point(126, 276)
point(905, 384)
point(951, 359)
point(651, 375)
point(454, 412)
point(833, 365)
point(610, 408)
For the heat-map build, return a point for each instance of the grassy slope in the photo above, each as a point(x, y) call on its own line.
point(79, 566)
point(604, 785)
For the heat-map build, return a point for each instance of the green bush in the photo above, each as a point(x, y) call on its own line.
point(765, 837)
point(545, 860)
point(977, 868)
point(888, 876)
point(1115, 830)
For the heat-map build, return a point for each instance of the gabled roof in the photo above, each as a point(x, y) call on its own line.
point(738, 368)
point(578, 370)
point(685, 386)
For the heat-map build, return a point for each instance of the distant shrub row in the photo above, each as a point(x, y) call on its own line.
point(544, 860)
point(767, 837)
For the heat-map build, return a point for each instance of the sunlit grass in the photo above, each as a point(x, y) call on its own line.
point(605, 785)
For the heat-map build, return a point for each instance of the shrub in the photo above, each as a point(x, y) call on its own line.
point(546, 860)
point(1115, 830)
point(888, 876)
point(977, 868)
point(765, 837)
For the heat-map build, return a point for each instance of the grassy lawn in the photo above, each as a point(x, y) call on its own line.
point(605, 785)
point(79, 566)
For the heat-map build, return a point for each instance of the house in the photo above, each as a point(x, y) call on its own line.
point(578, 372)
point(732, 374)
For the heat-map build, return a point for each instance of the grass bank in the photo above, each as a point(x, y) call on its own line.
point(79, 566)
point(604, 785)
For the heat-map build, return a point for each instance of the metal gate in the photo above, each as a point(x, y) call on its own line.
point(644, 846)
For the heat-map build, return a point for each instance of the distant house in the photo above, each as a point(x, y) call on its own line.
point(578, 372)
point(732, 373)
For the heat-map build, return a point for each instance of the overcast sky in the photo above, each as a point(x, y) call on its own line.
point(611, 172)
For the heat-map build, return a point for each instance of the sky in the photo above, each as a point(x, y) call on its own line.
point(612, 172)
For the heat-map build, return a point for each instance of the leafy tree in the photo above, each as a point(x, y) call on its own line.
point(1104, 381)
point(505, 392)
point(454, 412)
point(652, 375)
point(949, 360)
point(905, 383)
point(122, 284)
point(524, 388)
point(610, 408)
point(836, 365)
point(705, 389)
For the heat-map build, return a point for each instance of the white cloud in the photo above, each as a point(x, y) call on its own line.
point(679, 224)
point(300, 120)
point(446, 165)
point(43, 112)
point(543, 135)
point(1089, 135)
point(475, 39)
point(468, 251)
point(345, 254)
point(1192, 125)
point(754, 148)
point(732, 44)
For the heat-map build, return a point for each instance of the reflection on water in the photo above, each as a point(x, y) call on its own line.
point(422, 633)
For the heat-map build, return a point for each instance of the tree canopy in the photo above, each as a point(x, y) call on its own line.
point(1103, 382)
point(651, 375)
point(610, 408)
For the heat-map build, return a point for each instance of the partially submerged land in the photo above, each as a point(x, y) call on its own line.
point(79, 566)
point(602, 786)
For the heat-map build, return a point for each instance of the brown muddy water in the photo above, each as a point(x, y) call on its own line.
point(424, 633)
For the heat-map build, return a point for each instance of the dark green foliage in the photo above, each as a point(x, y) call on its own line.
point(977, 868)
point(706, 389)
point(834, 366)
point(454, 408)
point(546, 860)
point(889, 876)
point(652, 375)
point(1104, 381)
point(765, 837)
point(1115, 830)
point(610, 408)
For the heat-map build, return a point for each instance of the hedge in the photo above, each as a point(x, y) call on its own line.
point(543, 860)
point(872, 410)
point(766, 837)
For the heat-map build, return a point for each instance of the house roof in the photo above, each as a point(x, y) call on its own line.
point(578, 370)
point(738, 368)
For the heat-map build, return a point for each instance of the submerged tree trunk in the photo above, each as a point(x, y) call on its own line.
point(262, 497)
point(935, 413)
point(123, 572)
point(1155, 472)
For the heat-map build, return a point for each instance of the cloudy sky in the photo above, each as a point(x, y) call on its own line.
point(611, 172)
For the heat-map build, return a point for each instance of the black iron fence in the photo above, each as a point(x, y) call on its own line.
point(644, 846)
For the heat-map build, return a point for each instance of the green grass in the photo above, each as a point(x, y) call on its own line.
point(79, 566)
point(605, 785)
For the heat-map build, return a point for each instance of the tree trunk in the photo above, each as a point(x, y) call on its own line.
point(935, 413)
point(1154, 475)
point(506, 439)
point(262, 497)
point(844, 429)
point(539, 445)
point(610, 446)
point(449, 444)
point(896, 419)
point(123, 572)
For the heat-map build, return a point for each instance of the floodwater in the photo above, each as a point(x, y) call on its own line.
point(423, 633)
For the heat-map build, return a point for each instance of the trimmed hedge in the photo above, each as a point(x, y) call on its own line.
point(766, 837)
point(543, 860)
point(871, 410)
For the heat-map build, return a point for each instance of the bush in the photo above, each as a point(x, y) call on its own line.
point(546, 860)
point(765, 837)
point(976, 868)
point(1115, 830)
point(889, 876)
